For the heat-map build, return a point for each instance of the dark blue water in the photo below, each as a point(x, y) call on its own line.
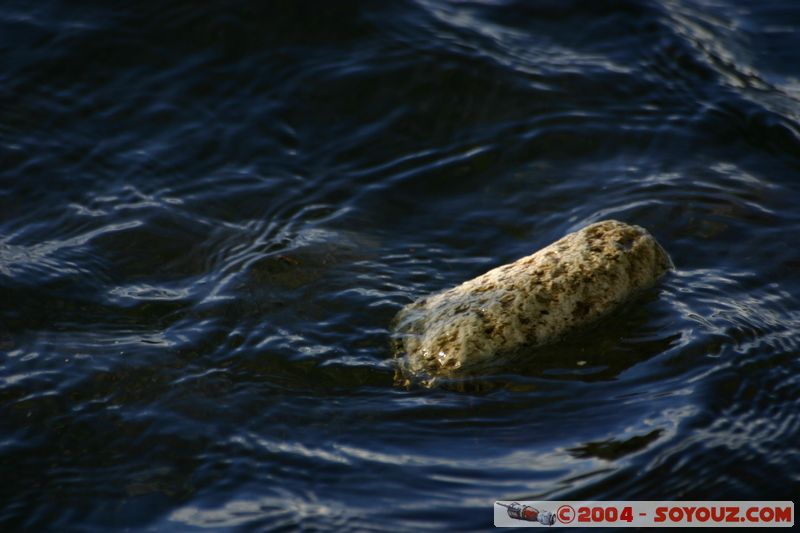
point(211, 211)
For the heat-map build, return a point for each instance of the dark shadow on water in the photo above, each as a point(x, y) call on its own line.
point(614, 449)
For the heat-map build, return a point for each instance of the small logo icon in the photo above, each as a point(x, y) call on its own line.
point(527, 513)
point(565, 514)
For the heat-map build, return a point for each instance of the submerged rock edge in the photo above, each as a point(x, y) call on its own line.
point(531, 302)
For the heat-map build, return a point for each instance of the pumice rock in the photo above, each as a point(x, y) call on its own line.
point(528, 303)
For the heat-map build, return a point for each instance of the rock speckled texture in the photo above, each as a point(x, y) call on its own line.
point(528, 303)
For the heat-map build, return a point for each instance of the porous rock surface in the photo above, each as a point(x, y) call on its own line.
point(530, 302)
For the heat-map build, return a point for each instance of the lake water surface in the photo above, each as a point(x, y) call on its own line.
point(211, 211)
